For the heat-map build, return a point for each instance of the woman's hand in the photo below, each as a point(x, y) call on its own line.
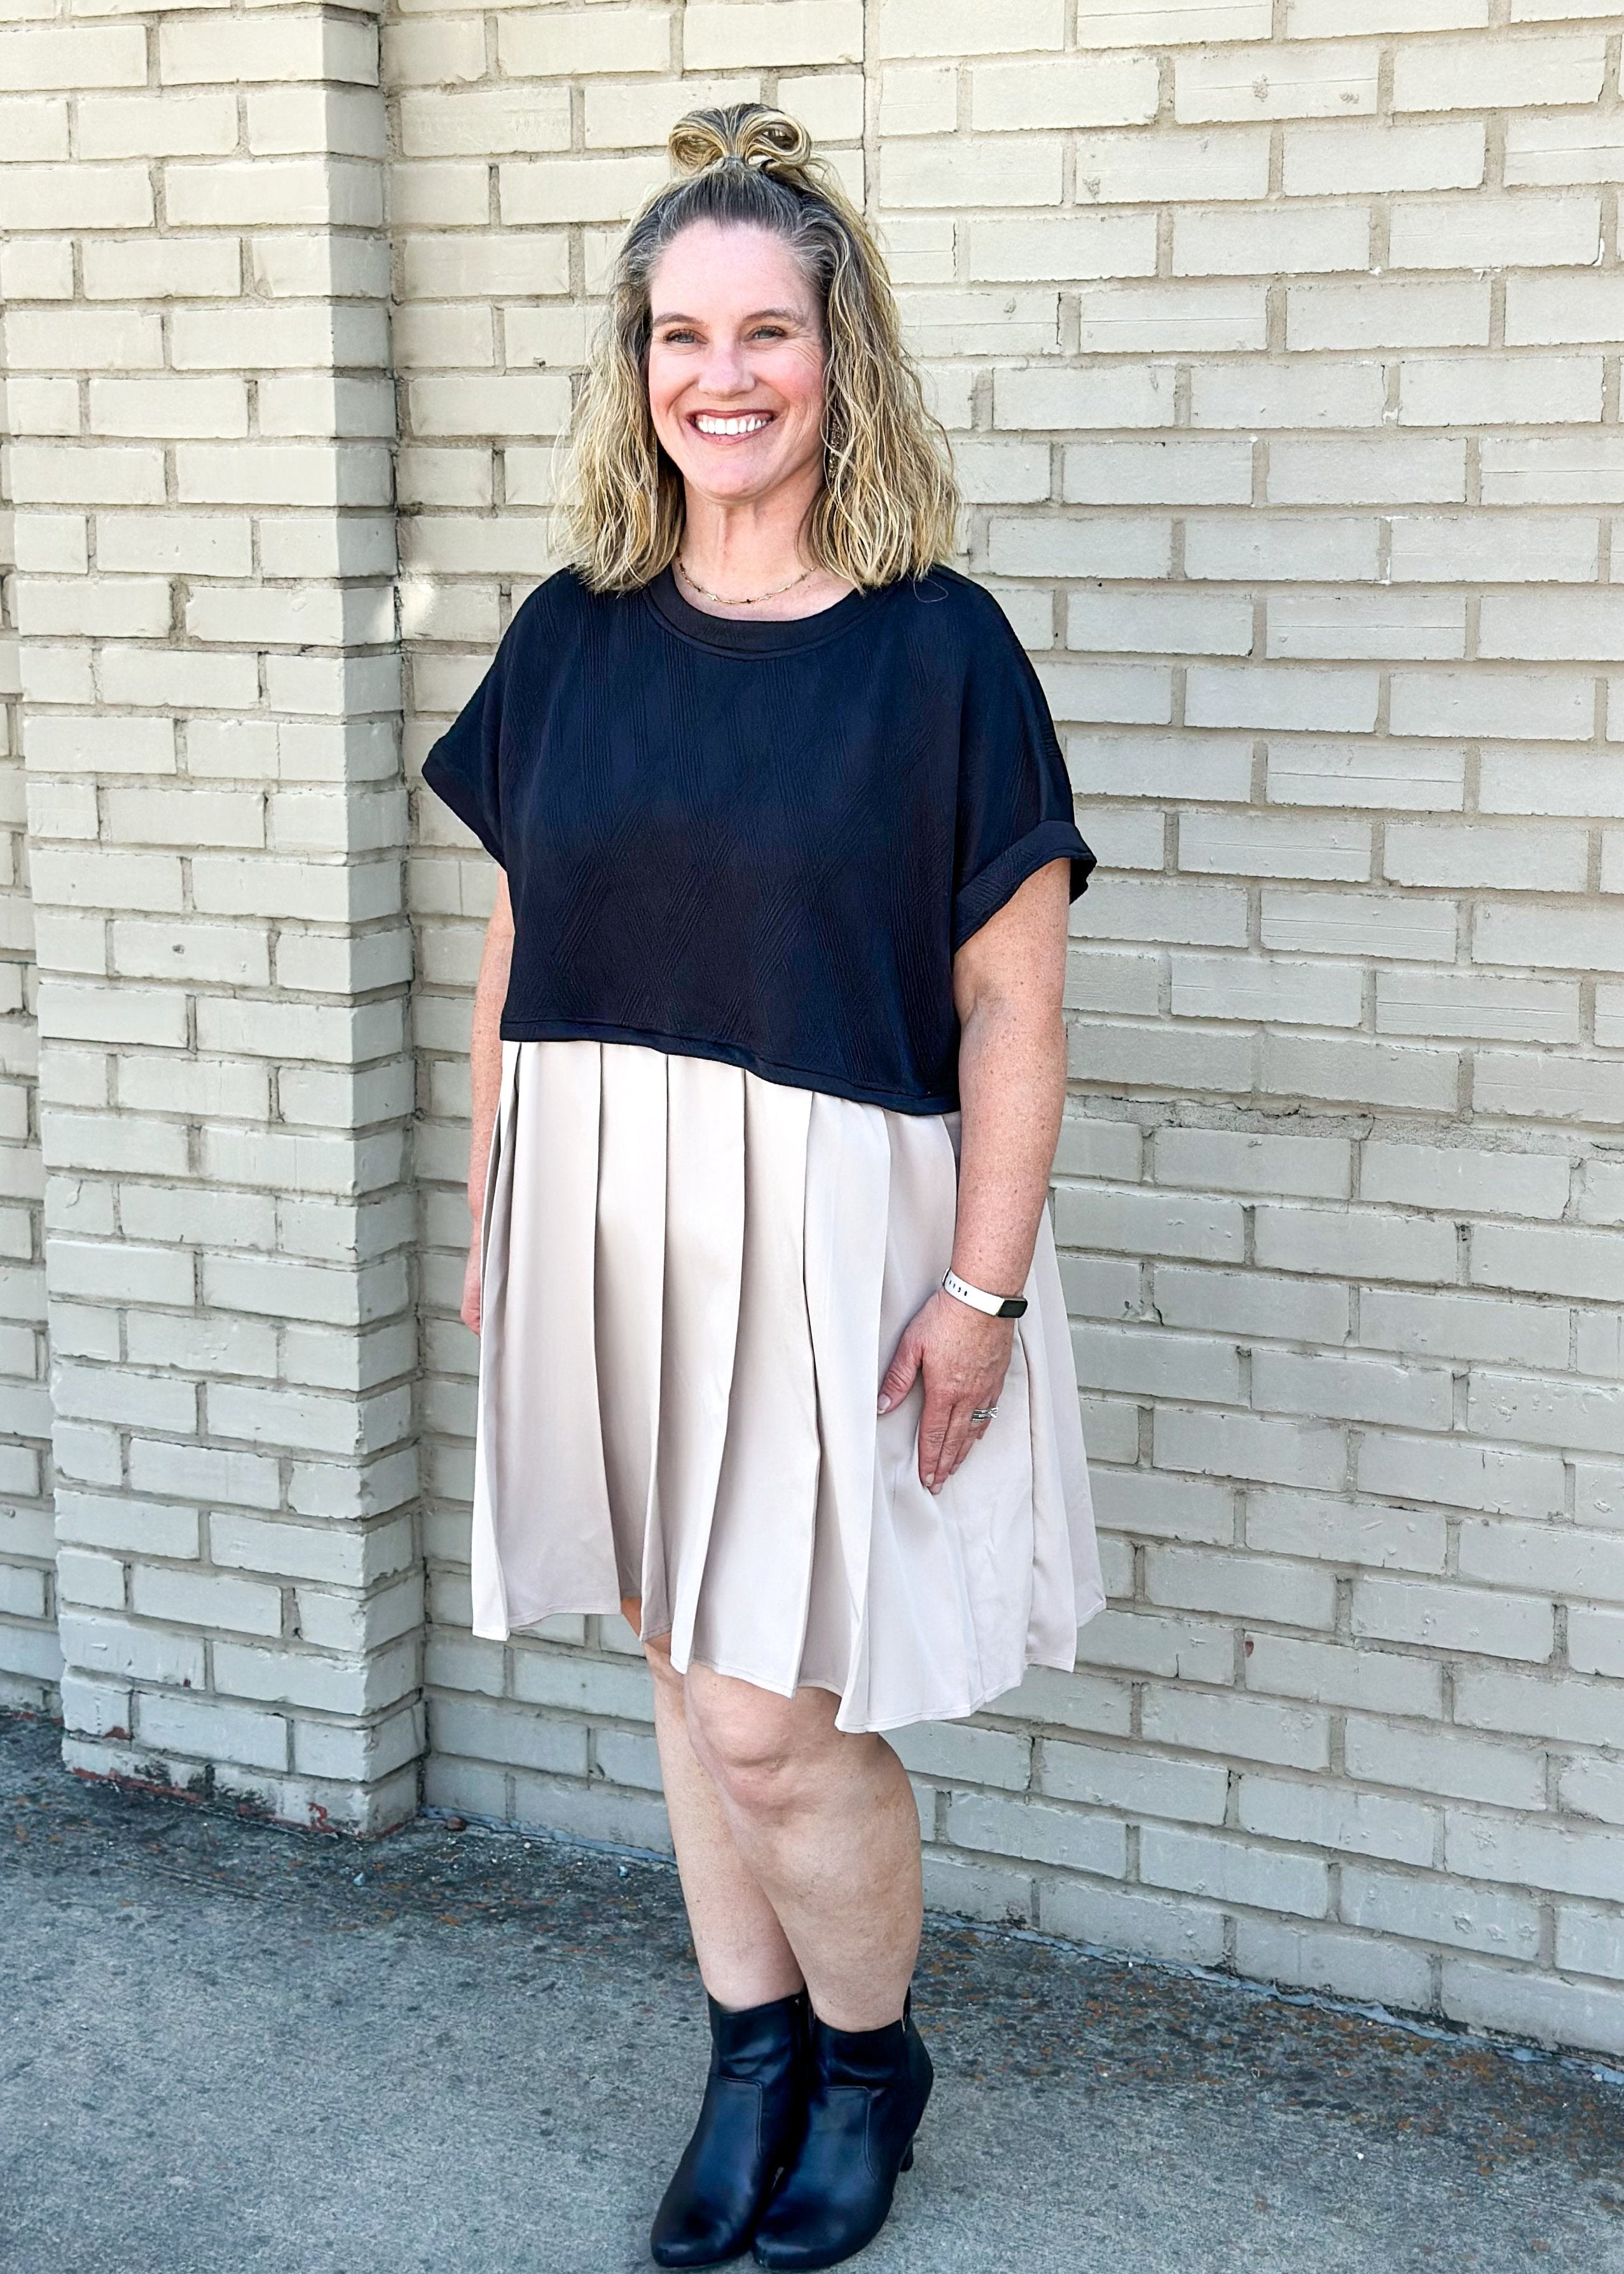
point(964, 1356)
point(471, 1286)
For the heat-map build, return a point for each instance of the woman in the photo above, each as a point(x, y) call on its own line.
point(767, 1041)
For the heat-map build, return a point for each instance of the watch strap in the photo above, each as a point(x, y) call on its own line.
point(996, 1307)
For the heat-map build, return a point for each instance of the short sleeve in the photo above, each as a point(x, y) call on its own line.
point(1014, 793)
point(463, 768)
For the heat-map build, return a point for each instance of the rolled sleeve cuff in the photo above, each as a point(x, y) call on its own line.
point(1001, 879)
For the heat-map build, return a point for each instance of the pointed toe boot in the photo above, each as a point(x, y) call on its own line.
point(748, 2125)
point(867, 2091)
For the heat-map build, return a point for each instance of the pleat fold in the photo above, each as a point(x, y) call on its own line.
point(542, 1539)
point(704, 1265)
point(694, 1282)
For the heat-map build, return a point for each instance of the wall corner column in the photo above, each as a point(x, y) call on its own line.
point(202, 413)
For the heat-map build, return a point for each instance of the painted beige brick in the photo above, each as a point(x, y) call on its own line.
point(1232, 82)
point(446, 52)
point(1261, 546)
point(86, 339)
point(973, 171)
point(208, 51)
point(1204, 473)
point(1538, 390)
point(164, 125)
point(1326, 1959)
point(33, 268)
point(1565, 2012)
point(571, 42)
point(1494, 232)
point(1547, 148)
point(42, 57)
point(1453, 1179)
point(1153, 23)
point(1139, 168)
point(1498, 75)
point(34, 128)
point(1233, 1871)
point(1351, 1823)
point(1167, 319)
point(314, 191)
point(1074, 91)
point(1255, 395)
point(1369, 315)
point(735, 34)
point(1534, 704)
point(1252, 1304)
point(1487, 549)
point(1123, 396)
point(1541, 309)
point(1340, 159)
point(1213, 240)
point(1069, 546)
point(161, 268)
point(1074, 244)
point(1159, 623)
point(1585, 1417)
point(1422, 853)
point(1551, 470)
point(919, 27)
point(556, 190)
point(919, 99)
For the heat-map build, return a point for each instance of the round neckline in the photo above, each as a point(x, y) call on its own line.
point(737, 635)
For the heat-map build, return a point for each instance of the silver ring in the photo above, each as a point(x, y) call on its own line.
point(983, 1414)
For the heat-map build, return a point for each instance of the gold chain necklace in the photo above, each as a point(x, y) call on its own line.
point(750, 600)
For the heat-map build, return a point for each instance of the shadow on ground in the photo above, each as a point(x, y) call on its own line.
point(226, 2048)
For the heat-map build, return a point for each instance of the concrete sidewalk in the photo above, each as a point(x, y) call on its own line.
point(230, 2049)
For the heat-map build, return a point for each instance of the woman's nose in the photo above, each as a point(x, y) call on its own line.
point(727, 369)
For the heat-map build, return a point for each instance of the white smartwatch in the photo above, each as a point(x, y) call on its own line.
point(996, 1307)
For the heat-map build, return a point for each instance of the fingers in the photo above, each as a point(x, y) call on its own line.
point(902, 1373)
point(957, 1439)
point(934, 1424)
point(471, 1305)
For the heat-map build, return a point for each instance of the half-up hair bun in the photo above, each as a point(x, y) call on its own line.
point(743, 134)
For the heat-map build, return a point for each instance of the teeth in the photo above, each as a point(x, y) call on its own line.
point(749, 422)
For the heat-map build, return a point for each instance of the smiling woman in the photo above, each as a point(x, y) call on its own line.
point(799, 328)
point(768, 1067)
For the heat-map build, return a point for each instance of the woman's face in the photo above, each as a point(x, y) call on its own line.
point(735, 363)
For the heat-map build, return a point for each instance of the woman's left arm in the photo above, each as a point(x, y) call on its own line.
point(1009, 982)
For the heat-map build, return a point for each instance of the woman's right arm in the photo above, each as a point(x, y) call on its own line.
point(485, 1070)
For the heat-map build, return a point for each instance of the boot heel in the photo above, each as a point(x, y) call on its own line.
point(907, 2163)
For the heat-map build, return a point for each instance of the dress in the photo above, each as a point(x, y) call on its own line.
point(697, 1263)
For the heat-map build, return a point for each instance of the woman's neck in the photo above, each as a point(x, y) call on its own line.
point(749, 562)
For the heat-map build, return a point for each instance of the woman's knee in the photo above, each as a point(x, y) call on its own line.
point(769, 1756)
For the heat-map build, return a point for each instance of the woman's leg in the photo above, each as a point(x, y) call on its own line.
point(820, 1824)
point(744, 1958)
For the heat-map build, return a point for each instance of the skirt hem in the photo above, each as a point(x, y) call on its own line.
point(870, 1728)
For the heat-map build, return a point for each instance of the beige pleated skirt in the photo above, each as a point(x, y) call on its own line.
point(693, 1281)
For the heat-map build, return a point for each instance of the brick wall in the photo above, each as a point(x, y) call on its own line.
point(30, 1659)
point(200, 413)
point(1279, 347)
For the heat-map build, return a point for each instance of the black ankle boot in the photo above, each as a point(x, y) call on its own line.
point(748, 2124)
point(867, 2093)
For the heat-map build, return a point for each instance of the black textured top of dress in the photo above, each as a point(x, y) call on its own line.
point(760, 842)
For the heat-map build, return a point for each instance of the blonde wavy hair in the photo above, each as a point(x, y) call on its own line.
point(888, 504)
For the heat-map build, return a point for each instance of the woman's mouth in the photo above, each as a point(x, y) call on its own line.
point(730, 427)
